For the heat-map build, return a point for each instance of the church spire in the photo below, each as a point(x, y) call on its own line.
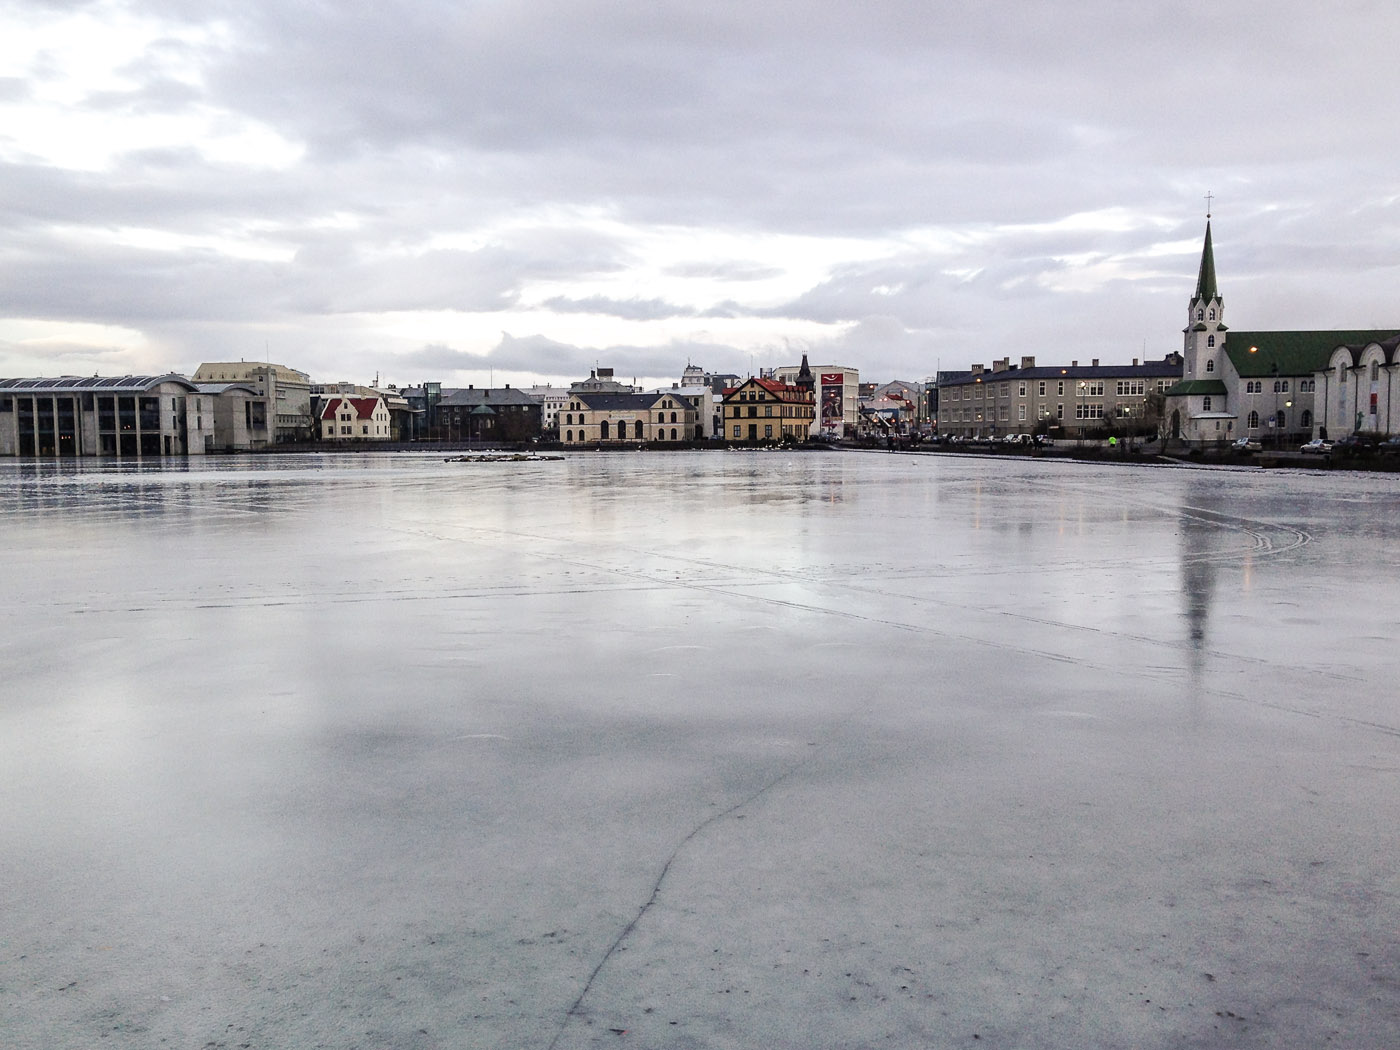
point(1205, 280)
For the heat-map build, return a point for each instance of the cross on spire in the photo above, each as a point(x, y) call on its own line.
point(1210, 197)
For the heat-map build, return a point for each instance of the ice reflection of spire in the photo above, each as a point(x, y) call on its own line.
point(1197, 586)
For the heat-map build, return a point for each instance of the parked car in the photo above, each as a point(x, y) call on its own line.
point(1247, 444)
point(1017, 439)
point(1358, 444)
point(1390, 446)
point(1317, 446)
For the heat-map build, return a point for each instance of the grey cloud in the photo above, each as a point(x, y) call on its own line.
point(628, 309)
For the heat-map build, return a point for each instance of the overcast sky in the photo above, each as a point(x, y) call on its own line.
point(515, 190)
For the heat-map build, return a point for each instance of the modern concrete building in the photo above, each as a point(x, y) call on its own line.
point(240, 417)
point(606, 418)
point(288, 393)
point(765, 410)
point(124, 416)
point(837, 396)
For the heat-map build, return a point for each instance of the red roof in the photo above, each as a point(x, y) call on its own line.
point(364, 406)
point(784, 391)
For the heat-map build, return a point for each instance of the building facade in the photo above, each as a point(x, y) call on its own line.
point(288, 393)
point(1073, 401)
point(837, 397)
point(503, 414)
point(606, 418)
point(355, 419)
point(127, 417)
point(760, 411)
point(1278, 387)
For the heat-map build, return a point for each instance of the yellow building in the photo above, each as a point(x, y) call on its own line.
point(765, 410)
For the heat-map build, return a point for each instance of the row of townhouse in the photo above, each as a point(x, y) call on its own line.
point(758, 410)
point(1072, 400)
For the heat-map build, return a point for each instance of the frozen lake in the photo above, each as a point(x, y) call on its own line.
point(698, 750)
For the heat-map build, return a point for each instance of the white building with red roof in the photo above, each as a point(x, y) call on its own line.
point(355, 419)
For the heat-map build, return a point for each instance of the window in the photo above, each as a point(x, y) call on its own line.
point(603, 430)
point(1094, 411)
point(1021, 413)
point(1210, 365)
point(1061, 389)
point(1210, 340)
point(1283, 385)
point(1253, 421)
point(1205, 403)
point(737, 429)
point(345, 430)
point(1060, 410)
point(768, 430)
point(673, 433)
point(1042, 388)
point(1004, 389)
point(1131, 387)
point(1305, 420)
point(568, 435)
point(636, 430)
point(1021, 391)
point(1200, 315)
point(1005, 413)
point(1212, 316)
point(1342, 374)
point(1091, 389)
point(1282, 419)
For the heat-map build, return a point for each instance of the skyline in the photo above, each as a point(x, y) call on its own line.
point(445, 193)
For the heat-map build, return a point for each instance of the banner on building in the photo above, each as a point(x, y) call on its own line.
point(833, 390)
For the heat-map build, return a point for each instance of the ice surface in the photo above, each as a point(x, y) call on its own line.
point(717, 750)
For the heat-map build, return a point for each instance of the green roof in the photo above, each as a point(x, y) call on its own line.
point(1195, 386)
point(1205, 280)
point(1293, 353)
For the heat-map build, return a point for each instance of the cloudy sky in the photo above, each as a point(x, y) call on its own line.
point(515, 190)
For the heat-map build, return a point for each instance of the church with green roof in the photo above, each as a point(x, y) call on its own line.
point(1280, 388)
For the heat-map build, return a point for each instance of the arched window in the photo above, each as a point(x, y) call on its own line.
point(1212, 313)
point(1205, 403)
point(1305, 420)
point(1282, 419)
point(1254, 421)
point(568, 435)
point(603, 430)
point(1200, 315)
point(638, 429)
point(1341, 373)
point(673, 433)
point(1210, 340)
point(1210, 365)
point(673, 417)
point(1375, 371)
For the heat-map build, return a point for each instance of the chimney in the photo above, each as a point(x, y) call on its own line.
point(1096, 362)
point(1000, 366)
point(1074, 364)
point(977, 370)
point(1135, 362)
point(1027, 362)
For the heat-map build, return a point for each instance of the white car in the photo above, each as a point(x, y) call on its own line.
point(1319, 446)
